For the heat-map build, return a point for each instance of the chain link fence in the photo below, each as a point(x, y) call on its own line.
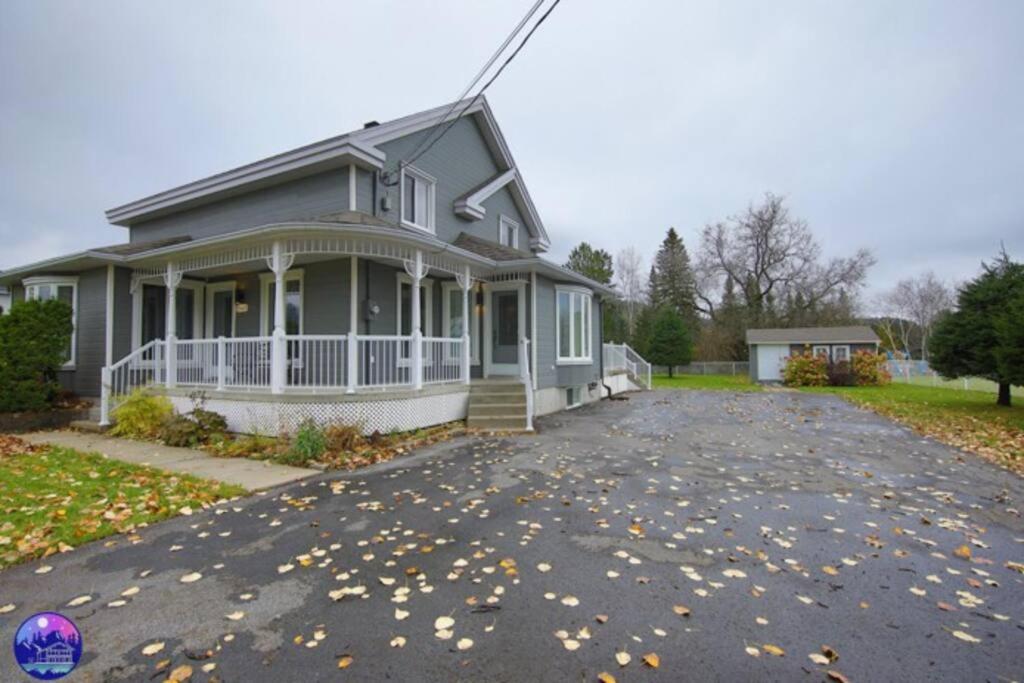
point(708, 368)
point(918, 372)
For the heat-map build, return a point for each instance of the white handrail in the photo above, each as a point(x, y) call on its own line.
point(142, 367)
point(623, 357)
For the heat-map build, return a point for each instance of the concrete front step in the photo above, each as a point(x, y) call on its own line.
point(486, 409)
point(496, 422)
point(490, 399)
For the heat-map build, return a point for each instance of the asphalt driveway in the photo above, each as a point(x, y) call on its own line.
point(732, 536)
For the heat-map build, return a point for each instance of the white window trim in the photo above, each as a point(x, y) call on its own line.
point(32, 285)
point(446, 319)
point(214, 288)
point(197, 309)
point(503, 222)
point(265, 280)
point(431, 183)
point(427, 291)
point(579, 397)
point(817, 348)
point(588, 323)
point(841, 346)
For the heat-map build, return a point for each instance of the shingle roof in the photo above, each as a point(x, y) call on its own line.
point(133, 248)
point(855, 334)
point(491, 250)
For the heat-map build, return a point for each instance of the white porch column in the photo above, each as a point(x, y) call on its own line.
point(279, 263)
point(353, 323)
point(465, 281)
point(417, 332)
point(172, 278)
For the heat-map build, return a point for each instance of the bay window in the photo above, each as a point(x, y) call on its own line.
point(62, 289)
point(573, 331)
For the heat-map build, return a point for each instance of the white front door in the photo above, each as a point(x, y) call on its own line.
point(504, 326)
point(770, 361)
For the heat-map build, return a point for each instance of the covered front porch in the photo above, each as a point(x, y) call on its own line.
point(321, 316)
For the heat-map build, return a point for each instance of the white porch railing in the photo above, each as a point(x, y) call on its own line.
point(314, 363)
point(622, 358)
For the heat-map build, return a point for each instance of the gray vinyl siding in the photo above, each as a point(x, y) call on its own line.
point(294, 200)
point(549, 373)
point(90, 331)
point(459, 162)
point(122, 313)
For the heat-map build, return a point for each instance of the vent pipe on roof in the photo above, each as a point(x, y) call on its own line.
point(371, 124)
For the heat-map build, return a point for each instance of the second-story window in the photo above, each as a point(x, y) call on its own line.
point(417, 199)
point(508, 232)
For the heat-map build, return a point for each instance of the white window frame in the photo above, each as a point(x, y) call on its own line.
point(579, 397)
point(431, 184)
point(426, 291)
point(32, 286)
point(265, 280)
point(197, 307)
point(212, 289)
point(845, 347)
point(818, 348)
point(506, 222)
point(474, 330)
point(581, 294)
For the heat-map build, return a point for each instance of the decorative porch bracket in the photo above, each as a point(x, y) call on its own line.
point(172, 278)
point(417, 270)
point(279, 263)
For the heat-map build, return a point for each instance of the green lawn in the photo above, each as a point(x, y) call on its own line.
point(712, 382)
point(59, 498)
point(966, 419)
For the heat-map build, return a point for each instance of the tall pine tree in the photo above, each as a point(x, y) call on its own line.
point(671, 282)
point(593, 263)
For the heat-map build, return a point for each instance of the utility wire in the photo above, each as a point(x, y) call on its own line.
point(485, 86)
point(490, 62)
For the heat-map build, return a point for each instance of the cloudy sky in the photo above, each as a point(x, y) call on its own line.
point(894, 126)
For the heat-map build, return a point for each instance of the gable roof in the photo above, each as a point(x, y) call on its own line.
point(853, 334)
point(359, 147)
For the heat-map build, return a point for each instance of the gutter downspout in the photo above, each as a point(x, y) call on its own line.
point(600, 327)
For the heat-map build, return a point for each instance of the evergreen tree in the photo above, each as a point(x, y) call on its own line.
point(983, 337)
point(672, 282)
point(671, 342)
point(593, 263)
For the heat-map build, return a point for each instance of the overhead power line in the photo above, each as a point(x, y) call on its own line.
point(486, 85)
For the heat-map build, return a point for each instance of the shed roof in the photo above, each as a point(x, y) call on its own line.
point(853, 334)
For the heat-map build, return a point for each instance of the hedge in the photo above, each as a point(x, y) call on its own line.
point(34, 341)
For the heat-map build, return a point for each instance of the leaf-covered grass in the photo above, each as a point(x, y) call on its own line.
point(711, 382)
point(58, 498)
point(965, 419)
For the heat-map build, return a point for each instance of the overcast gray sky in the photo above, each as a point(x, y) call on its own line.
point(897, 126)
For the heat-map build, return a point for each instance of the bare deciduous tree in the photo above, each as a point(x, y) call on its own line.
point(629, 273)
point(772, 258)
point(920, 301)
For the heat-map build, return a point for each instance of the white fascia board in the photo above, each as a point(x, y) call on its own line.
point(343, 150)
point(471, 206)
point(83, 259)
point(558, 272)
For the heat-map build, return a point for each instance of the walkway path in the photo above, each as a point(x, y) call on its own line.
point(249, 474)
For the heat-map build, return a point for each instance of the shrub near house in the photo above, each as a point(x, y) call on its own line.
point(34, 342)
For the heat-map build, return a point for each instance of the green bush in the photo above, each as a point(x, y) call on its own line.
point(308, 444)
point(209, 422)
point(34, 341)
point(870, 369)
point(182, 432)
point(141, 416)
point(805, 370)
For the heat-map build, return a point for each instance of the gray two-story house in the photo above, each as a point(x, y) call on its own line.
point(358, 279)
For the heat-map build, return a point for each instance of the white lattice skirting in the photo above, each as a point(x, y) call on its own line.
point(271, 417)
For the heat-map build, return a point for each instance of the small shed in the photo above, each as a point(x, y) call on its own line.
point(770, 347)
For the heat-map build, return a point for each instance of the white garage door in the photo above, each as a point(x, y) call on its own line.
point(770, 359)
